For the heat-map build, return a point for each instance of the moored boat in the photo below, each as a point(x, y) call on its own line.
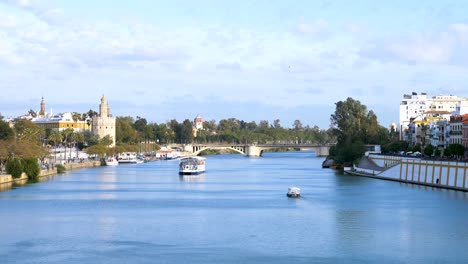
point(127, 158)
point(111, 161)
point(294, 192)
point(192, 165)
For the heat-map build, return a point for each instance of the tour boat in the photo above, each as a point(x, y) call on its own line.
point(192, 165)
point(111, 161)
point(294, 192)
point(127, 158)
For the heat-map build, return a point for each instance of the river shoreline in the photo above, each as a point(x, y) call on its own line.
point(7, 181)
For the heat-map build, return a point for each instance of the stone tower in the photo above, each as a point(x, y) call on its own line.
point(104, 124)
point(42, 111)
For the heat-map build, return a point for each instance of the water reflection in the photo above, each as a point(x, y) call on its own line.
point(107, 183)
point(6, 186)
point(192, 178)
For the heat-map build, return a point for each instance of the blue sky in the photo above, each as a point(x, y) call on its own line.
point(253, 60)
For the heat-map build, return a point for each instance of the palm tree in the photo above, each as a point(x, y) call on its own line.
point(66, 138)
point(55, 137)
point(74, 138)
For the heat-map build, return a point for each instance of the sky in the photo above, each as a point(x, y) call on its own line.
point(248, 59)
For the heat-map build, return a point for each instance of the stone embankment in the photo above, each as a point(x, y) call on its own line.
point(6, 180)
point(442, 174)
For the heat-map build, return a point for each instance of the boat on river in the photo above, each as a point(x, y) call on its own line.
point(192, 165)
point(127, 158)
point(111, 161)
point(294, 192)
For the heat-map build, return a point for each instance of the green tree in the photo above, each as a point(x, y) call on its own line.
point(428, 150)
point(14, 168)
point(106, 141)
point(6, 132)
point(186, 132)
point(90, 139)
point(31, 168)
point(55, 138)
point(98, 149)
point(297, 125)
point(91, 113)
point(354, 127)
point(276, 124)
point(27, 130)
point(437, 152)
point(124, 131)
point(447, 152)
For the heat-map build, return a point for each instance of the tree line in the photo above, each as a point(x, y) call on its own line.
point(26, 140)
point(231, 130)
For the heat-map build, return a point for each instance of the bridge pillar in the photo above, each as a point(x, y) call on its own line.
point(322, 151)
point(253, 151)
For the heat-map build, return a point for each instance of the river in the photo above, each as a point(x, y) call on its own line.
point(237, 212)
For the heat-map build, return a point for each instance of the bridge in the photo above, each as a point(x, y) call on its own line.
point(320, 150)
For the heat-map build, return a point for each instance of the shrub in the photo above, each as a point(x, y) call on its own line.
point(32, 169)
point(60, 168)
point(14, 167)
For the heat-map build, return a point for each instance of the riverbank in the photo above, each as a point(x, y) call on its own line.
point(441, 174)
point(6, 180)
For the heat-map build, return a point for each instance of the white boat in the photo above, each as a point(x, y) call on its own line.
point(111, 161)
point(192, 165)
point(294, 192)
point(127, 158)
point(170, 155)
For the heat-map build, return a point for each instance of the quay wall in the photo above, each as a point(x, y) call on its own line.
point(6, 180)
point(442, 174)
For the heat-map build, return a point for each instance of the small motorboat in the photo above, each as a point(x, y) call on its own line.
point(111, 161)
point(294, 192)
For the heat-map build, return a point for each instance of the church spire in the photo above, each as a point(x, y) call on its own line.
point(42, 112)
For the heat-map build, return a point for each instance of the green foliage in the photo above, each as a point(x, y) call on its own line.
point(106, 140)
point(31, 168)
point(207, 152)
point(416, 147)
point(349, 154)
point(355, 127)
point(447, 152)
point(395, 146)
point(230, 130)
point(437, 152)
point(27, 130)
point(429, 150)
point(6, 132)
point(124, 131)
point(90, 138)
point(60, 168)
point(14, 167)
point(98, 149)
point(456, 149)
point(55, 137)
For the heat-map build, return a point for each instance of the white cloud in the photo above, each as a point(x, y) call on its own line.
point(443, 47)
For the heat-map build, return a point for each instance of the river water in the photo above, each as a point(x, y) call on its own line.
point(237, 212)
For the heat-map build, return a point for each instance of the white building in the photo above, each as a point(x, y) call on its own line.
point(420, 106)
point(104, 124)
point(411, 107)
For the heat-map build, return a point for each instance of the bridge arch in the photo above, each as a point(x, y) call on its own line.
point(238, 149)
